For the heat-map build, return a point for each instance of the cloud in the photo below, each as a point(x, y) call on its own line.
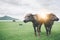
point(51, 5)
point(7, 8)
point(18, 8)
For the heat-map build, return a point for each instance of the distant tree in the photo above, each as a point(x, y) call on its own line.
point(14, 20)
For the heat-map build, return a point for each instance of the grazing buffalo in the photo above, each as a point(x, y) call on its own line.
point(49, 22)
point(20, 24)
point(37, 21)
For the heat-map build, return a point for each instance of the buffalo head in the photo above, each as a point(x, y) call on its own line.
point(53, 17)
point(28, 18)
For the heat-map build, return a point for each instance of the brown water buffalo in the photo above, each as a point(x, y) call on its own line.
point(49, 22)
point(37, 21)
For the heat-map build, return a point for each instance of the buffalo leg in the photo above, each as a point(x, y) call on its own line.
point(39, 29)
point(50, 30)
point(46, 30)
point(35, 31)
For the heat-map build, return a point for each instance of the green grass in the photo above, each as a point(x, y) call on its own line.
point(12, 31)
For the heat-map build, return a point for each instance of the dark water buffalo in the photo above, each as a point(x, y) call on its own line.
point(36, 24)
point(37, 21)
point(49, 22)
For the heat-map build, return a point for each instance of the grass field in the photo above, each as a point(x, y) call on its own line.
point(12, 31)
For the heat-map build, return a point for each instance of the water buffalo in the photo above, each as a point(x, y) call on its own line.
point(37, 21)
point(49, 22)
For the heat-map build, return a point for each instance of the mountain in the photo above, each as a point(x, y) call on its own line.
point(7, 18)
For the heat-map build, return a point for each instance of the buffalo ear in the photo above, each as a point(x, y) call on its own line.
point(32, 15)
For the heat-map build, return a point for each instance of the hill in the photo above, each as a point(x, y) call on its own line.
point(7, 18)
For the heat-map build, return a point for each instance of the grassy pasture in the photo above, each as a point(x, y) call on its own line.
point(14, 31)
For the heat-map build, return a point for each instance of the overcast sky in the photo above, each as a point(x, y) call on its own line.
point(18, 8)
